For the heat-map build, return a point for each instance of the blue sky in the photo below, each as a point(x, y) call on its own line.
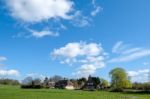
point(74, 38)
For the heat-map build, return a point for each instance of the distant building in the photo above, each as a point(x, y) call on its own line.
point(90, 84)
point(64, 84)
point(51, 84)
point(48, 83)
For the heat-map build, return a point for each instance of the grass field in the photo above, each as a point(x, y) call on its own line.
point(11, 92)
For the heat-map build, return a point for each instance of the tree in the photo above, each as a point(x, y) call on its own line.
point(141, 86)
point(46, 82)
point(56, 78)
point(27, 81)
point(96, 80)
point(81, 82)
point(37, 81)
point(104, 83)
point(119, 79)
point(9, 82)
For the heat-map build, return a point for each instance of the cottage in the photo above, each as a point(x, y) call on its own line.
point(90, 84)
point(64, 84)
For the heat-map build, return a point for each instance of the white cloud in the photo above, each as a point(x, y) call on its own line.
point(132, 56)
point(79, 20)
point(2, 58)
point(132, 73)
point(132, 50)
point(139, 75)
point(144, 71)
point(39, 10)
point(89, 56)
point(75, 49)
point(138, 72)
point(36, 75)
point(127, 53)
point(43, 33)
point(97, 8)
point(9, 73)
point(85, 70)
point(33, 12)
point(121, 48)
point(118, 47)
point(89, 68)
point(96, 11)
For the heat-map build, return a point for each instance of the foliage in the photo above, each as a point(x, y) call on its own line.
point(81, 82)
point(141, 86)
point(104, 84)
point(96, 80)
point(119, 79)
point(56, 78)
point(46, 82)
point(29, 82)
point(9, 82)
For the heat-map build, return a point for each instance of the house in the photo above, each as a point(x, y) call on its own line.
point(90, 84)
point(64, 84)
point(48, 83)
point(51, 84)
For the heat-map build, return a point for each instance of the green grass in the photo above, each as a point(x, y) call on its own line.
point(11, 92)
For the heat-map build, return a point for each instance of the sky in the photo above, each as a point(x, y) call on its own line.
point(74, 38)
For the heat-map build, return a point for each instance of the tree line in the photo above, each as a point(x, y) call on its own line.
point(119, 82)
point(9, 82)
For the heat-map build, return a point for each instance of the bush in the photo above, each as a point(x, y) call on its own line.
point(31, 86)
point(116, 90)
point(141, 86)
point(9, 82)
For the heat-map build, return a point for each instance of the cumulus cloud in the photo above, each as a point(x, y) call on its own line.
point(139, 75)
point(75, 49)
point(33, 12)
point(127, 53)
point(43, 33)
point(9, 73)
point(88, 56)
point(2, 58)
point(39, 10)
point(85, 70)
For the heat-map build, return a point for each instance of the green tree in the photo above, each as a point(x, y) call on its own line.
point(119, 79)
point(81, 81)
point(96, 80)
point(104, 83)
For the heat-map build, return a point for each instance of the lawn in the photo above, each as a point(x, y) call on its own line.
point(11, 92)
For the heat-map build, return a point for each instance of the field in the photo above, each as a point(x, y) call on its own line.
point(11, 92)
